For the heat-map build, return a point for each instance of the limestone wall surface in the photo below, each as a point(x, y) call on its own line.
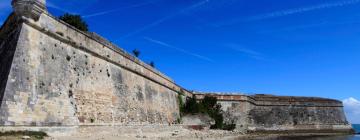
point(63, 77)
point(276, 114)
point(53, 75)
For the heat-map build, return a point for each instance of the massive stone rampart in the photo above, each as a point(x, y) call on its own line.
point(278, 114)
point(53, 75)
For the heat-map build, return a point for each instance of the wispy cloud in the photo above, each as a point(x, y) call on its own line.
point(161, 20)
point(119, 9)
point(288, 12)
point(71, 6)
point(52, 5)
point(352, 109)
point(161, 43)
point(353, 105)
point(296, 27)
point(342, 23)
point(246, 51)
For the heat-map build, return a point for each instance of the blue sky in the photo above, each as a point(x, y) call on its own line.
point(282, 47)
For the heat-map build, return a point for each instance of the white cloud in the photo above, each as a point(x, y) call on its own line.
point(288, 12)
point(163, 19)
point(352, 104)
point(352, 109)
point(161, 43)
point(118, 9)
point(304, 9)
point(248, 52)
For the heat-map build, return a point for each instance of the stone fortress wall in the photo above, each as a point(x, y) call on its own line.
point(53, 75)
point(274, 114)
point(56, 75)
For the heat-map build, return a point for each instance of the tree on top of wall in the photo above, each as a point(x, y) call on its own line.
point(75, 20)
point(136, 52)
point(152, 64)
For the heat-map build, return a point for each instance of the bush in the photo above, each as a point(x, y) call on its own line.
point(191, 106)
point(75, 20)
point(208, 106)
point(136, 52)
point(229, 127)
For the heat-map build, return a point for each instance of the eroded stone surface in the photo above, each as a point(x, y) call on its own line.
point(276, 114)
point(72, 79)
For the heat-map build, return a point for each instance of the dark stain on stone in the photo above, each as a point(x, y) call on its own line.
point(139, 94)
point(70, 93)
point(68, 58)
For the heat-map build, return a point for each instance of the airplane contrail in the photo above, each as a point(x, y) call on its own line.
point(287, 12)
point(161, 43)
point(118, 9)
point(161, 20)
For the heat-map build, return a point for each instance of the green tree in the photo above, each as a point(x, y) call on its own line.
point(136, 52)
point(75, 20)
point(209, 106)
point(152, 64)
point(191, 106)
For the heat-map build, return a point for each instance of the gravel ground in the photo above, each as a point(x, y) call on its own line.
point(148, 132)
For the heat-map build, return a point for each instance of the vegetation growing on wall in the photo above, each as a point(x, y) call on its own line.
point(152, 64)
point(208, 106)
point(136, 52)
point(181, 102)
point(75, 20)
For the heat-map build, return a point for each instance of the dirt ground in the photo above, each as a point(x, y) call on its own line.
point(149, 132)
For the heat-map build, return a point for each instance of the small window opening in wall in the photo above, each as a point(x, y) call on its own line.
point(55, 45)
point(52, 57)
